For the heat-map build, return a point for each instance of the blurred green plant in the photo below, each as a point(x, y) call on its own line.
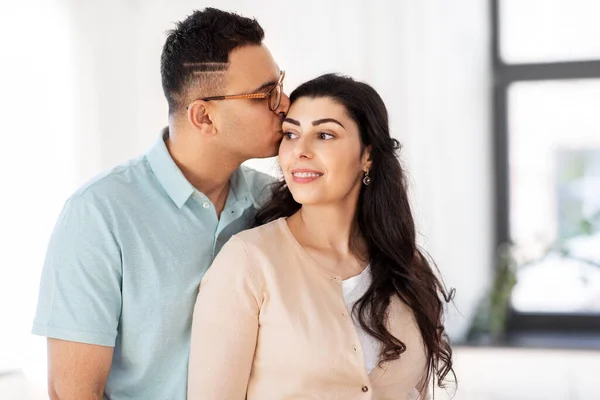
point(489, 325)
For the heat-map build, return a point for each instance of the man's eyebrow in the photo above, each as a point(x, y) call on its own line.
point(326, 120)
point(264, 86)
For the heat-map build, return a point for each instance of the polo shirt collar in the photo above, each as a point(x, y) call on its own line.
point(241, 189)
point(168, 173)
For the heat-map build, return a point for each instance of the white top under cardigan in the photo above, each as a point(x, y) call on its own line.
point(353, 289)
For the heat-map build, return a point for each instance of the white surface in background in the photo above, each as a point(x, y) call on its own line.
point(549, 30)
point(38, 164)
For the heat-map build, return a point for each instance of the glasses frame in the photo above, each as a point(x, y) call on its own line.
point(259, 95)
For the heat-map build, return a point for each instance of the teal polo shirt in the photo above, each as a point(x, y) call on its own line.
point(124, 263)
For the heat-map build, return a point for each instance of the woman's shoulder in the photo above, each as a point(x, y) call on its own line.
point(267, 247)
point(263, 237)
point(255, 251)
point(248, 253)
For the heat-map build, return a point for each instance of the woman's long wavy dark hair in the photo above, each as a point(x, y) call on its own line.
point(385, 220)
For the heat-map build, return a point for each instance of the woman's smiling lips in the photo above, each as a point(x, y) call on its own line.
point(305, 175)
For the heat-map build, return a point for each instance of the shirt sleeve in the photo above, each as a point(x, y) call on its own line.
point(80, 290)
point(224, 327)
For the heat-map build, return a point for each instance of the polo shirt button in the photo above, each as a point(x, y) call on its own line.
point(206, 204)
point(354, 348)
point(365, 389)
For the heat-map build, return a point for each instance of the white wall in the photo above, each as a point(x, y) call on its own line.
point(428, 59)
point(36, 165)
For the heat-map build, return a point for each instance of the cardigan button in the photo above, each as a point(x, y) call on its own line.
point(365, 389)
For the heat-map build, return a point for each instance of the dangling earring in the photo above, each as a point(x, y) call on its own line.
point(367, 178)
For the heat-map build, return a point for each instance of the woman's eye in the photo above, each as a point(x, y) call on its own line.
point(325, 136)
point(289, 135)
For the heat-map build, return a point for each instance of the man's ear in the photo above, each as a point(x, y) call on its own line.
point(198, 114)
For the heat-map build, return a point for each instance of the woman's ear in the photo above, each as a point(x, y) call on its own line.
point(366, 158)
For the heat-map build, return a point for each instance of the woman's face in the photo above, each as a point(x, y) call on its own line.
point(320, 153)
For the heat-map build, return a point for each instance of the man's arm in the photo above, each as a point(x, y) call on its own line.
point(77, 371)
point(79, 304)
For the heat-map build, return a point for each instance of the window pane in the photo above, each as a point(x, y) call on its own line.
point(554, 167)
point(549, 30)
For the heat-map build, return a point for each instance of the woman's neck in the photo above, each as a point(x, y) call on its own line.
point(329, 228)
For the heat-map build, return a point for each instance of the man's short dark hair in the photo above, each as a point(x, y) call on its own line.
point(197, 52)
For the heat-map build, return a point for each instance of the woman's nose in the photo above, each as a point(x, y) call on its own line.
point(302, 148)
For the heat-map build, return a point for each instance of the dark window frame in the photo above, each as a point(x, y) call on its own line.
point(504, 74)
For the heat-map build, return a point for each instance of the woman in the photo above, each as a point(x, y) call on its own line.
point(329, 298)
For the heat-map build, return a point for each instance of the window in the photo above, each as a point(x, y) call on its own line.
point(537, 31)
point(547, 146)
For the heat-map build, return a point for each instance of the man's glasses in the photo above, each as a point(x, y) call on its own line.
point(273, 95)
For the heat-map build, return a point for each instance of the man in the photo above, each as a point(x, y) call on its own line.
point(130, 248)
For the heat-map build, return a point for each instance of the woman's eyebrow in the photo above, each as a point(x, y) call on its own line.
point(292, 121)
point(326, 120)
point(316, 122)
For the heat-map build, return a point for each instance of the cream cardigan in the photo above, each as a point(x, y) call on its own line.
point(270, 324)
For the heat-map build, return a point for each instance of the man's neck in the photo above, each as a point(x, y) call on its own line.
point(207, 169)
